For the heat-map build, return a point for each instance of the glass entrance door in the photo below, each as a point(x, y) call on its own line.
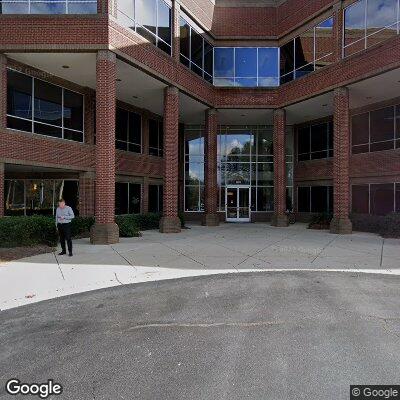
point(238, 204)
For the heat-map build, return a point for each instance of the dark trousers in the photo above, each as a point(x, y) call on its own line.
point(64, 231)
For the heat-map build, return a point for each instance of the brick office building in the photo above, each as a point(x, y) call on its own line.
point(237, 110)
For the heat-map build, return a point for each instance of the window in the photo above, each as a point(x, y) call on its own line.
point(306, 53)
point(128, 131)
point(127, 198)
point(155, 138)
point(194, 169)
point(48, 7)
point(376, 130)
point(376, 198)
point(195, 52)
point(39, 196)
point(369, 22)
point(40, 107)
point(315, 141)
point(315, 199)
point(150, 19)
point(155, 198)
point(246, 66)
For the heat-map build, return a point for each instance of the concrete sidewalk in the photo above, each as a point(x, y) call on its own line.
point(230, 248)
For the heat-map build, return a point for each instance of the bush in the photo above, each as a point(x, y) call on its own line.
point(320, 221)
point(147, 221)
point(80, 226)
point(387, 226)
point(28, 231)
point(127, 225)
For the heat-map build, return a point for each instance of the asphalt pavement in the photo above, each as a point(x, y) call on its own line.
point(266, 335)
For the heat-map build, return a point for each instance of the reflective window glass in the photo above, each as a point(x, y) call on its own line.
point(246, 62)
point(268, 63)
point(223, 62)
point(19, 94)
point(48, 103)
point(360, 199)
point(164, 22)
point(73, 110)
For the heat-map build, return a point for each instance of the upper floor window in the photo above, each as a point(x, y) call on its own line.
point(155, 138)
point(128, 131)
point(376, 130)
point(149, 18)
point(307, 52)
point(246, 66)
point(48, 7)
point(196, 52)
point(315, 141)
point(367, 22)
point(40, 107)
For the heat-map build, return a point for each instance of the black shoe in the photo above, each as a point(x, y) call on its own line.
point(63, 253)
point(70, 254)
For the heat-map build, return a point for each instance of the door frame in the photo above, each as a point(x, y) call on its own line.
point(237, 187)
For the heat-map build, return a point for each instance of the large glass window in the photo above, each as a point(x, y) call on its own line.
point(246, 66)
point(194, 168)
point(156, 198)
point(195, 52)
point(54, 111)
point(367, 22)
point(39, 196)
point(48, 7)
point(315, 199)
point(128, 131)
point(376, 198)
point(306, 53)
point(376, 130)
point(150, 19)
point(156, 137)
point(127, 198)
point(315, 141)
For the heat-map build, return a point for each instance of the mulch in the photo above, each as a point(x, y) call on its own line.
point(15, 253)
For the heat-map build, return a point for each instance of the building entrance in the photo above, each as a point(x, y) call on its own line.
point(237, 200)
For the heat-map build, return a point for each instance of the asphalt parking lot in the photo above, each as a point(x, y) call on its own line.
point(264, 335)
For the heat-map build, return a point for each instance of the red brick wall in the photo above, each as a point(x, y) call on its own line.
point(279, 162)
point(341, 153)
point(86, 194)
point(211, 187)
point(105, 137)
point(171, 167)
point(1, 190)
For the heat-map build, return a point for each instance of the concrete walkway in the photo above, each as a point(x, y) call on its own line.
point(230, 248)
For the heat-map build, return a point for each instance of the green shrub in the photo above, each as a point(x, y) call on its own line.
point(387, 226)
point(147, 221)
point(80, 226)
point(320, 221)
point(28, 231)
point(127, 225)
point(182, 218)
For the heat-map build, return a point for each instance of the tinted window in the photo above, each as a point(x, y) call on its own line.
point(246, 62)
point(48, 103)
point(19, 94)
point(224, 62)
point(382, 199)
point(164, 22)
point(73, 110)
point(303, 199)
point(360, 199)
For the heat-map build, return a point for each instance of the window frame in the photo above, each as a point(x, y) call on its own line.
point(128, 192)
point(127, 142)
point(33, 122)
point(160, 133)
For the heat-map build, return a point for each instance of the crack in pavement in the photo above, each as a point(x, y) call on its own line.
point(124, 258)
point(207, 325)
point(58, 264)
point(329, 243)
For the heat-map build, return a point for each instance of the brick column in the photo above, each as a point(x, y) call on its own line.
point(279, 218)
point(337, 31)
point(341, 159)
point(86, 194)
point(170, 222)
point(145, 195)
point(1, 190)
point(176, 7)
point(105, 230)
point(210, 152)
point(3, 90)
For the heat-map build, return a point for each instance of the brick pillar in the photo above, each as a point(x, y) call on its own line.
point(170, 222)
point(105, 230)
point(341, 159)
point(86, 194)
point(337, 32)
point(3, 90)
point(279, 218)
point(2, 190)
point(145, 195)
point(210, 152)
point(176, 30)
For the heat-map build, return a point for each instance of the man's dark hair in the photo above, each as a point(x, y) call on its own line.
point(61, 201)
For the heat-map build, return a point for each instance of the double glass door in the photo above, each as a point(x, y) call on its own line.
point(237, 203)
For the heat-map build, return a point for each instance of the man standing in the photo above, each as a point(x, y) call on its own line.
point(64, 216)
